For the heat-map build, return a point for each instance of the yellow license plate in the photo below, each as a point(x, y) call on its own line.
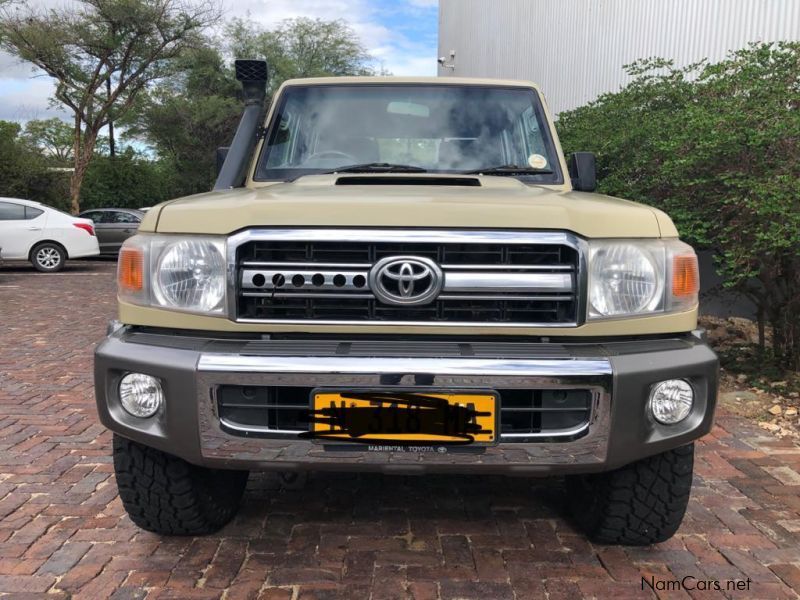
point(410, 418)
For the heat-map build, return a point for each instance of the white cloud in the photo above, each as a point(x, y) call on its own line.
point(391, 48)
point(414, 66)
point(12, 67)
point(26, 99)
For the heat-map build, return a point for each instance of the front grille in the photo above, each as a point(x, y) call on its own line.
point(254, 409)
point(526, 412)
point(525, 415)
point(525, 282)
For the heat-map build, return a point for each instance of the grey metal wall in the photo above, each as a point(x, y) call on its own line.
point(575, 49)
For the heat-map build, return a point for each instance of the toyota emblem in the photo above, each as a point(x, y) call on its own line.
point(406, 280)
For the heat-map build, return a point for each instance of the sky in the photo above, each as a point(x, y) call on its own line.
point(400, 34)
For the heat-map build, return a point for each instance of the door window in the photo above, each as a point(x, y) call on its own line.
point(121, 217)
point(11, 212)
point(32, 213)
point(95, 215)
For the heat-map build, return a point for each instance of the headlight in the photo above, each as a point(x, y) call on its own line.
point(184, 273)
point(190, 275)
point(641, 277)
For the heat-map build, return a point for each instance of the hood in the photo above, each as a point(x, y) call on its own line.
point(457, 202)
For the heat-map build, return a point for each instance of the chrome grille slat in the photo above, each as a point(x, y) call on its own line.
point(495, 278)
point(454, 282)
point(517, 282)
point(282, 265)
point(503, 297)
point(453, 267)
point(304, 295)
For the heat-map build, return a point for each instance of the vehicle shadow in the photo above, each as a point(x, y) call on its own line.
point(397, 505)
point(83, 265)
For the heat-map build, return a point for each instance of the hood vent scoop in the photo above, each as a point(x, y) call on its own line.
point(411, 180)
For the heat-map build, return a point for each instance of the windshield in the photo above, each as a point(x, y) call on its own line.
point(438, 128)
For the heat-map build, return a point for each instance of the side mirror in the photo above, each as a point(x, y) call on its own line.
point(583, 171)
point(222, 153)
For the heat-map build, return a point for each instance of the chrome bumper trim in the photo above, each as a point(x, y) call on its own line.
point(583, 445)
point(435, 366)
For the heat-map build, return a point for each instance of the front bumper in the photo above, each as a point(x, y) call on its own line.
point(618, 373)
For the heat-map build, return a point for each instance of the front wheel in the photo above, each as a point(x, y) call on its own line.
point(165, 494)
point(48, 257)
point(639, 504)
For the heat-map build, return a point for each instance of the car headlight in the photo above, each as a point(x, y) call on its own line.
point(185, 273)
point(641, 277)
point(190, 275)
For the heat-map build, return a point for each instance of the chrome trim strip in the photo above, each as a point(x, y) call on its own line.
point(431, 324)
point(433, 236)
point(477, 267)
point(307, 295)
point(498, 297)
point(556, 433)
point(258, 428)
point(473, 281)
point(507, 282)
point(391, 366)
point(254, 264)
point(511, 296)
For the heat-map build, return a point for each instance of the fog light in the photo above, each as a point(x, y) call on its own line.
point(141, 395)
point(671, 401)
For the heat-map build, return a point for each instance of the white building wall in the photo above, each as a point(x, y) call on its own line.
point(575, 49)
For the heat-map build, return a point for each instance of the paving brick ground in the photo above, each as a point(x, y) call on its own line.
point(64, 534)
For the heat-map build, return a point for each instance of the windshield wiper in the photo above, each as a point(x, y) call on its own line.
point(509, 170)
point(377, 167)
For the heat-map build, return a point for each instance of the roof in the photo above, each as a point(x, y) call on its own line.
point(21, 201)
point(112, 209)
point(407, 80)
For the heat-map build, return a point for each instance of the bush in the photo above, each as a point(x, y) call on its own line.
point(125, 181)
point(717, 146)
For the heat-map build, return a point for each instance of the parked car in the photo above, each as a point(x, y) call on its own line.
point(43, 235)
point(113, 226)
point(411, 271)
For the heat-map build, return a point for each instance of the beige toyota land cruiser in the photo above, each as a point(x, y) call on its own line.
point(405, 276)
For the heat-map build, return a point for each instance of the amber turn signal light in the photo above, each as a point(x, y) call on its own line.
point(130, 272)
point(685, 275)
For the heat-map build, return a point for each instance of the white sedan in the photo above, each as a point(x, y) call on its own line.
point(43, 235)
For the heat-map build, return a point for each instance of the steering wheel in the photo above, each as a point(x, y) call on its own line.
point(330, 154)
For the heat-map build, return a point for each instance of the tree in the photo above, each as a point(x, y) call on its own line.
point(718, 147)
point(53, 136)
point(301, 48)
point(130, 43)
point(187, 117)
point(24, 172)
